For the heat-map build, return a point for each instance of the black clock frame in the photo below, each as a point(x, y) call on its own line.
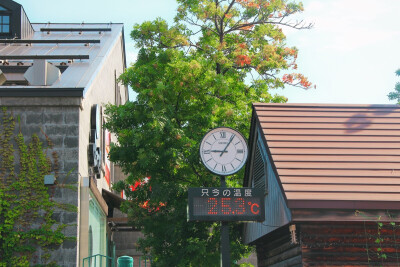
point(245, 144)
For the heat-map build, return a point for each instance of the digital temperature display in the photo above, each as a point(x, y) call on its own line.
point(226, 204)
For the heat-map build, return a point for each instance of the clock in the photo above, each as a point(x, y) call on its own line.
point(223, 151)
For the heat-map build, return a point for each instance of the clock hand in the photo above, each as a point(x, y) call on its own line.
point(230, 140)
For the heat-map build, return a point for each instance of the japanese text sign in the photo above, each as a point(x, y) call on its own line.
point(226, 204)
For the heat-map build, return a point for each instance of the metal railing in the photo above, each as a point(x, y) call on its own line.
point(92, 261)
point(147, 261)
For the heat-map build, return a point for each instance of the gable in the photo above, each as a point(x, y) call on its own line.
point(14, 22)
point(9, 5)
point(262, 175)
point(336, 156)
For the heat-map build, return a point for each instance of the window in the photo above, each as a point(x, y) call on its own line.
point(4, 21)
point(90, 245)
point(5, 24)
point(97, 223)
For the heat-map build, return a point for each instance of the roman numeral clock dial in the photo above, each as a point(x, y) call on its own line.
point(223, 151)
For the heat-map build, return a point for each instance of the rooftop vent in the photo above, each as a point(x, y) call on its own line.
point(2, 78)
point(42, 73)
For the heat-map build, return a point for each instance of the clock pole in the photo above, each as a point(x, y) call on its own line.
point(224, 152)
point(225, 245)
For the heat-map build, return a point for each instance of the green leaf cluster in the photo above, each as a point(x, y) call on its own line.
point(26, 208)
point(202, 72)
point(396, 94)
point(384, 236)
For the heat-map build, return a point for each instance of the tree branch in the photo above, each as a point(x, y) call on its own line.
point(177, 109)
point(225, 13)
point(195, 171)
point(191, 22)
point(215, 19)
point(299, 25)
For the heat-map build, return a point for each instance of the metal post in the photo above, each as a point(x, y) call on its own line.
point(225, 245)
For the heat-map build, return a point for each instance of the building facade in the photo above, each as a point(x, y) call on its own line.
point(57, 78)
point(331, 177)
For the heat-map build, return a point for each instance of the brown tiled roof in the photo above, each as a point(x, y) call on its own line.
point(340, 156)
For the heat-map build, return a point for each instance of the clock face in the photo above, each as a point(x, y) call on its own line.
point(223, 151)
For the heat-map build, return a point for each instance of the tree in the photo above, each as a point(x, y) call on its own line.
point(202, 72)
point(396, 94)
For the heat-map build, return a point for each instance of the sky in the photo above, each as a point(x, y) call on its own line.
point(350, 54)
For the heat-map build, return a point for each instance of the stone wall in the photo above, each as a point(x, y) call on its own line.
point(58, 118)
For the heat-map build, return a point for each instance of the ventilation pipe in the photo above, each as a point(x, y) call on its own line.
point(293, 238)
point(42, 73)
point(3, 78)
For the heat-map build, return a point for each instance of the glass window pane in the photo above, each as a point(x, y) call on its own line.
point(6, 19)
point(6, 28)
point(2, 8)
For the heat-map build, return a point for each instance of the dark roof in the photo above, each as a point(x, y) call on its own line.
point(20, 26)
point(334, 156)
point(9, 4)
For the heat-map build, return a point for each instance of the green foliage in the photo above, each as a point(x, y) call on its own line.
point(396, 94)
point(202, 72)
point(26, 208)
point(384, 238)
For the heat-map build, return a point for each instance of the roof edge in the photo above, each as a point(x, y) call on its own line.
point(41, 92)
point(253, 127)
point(90, 82)
point(339, 215)
point(328, 105)
point(77, 23)
point(343, 204)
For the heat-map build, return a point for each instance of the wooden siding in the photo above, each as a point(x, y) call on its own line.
point(350, 244)
point(334, 152)
point(277, 213)
point(276, 250)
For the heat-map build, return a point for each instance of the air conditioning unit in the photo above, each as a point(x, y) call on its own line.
point(3, 78)
point(94, 157)
point(94, 148)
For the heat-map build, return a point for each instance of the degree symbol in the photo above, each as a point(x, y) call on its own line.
point(255, 211)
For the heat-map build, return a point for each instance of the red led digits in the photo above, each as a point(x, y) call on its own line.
point(240, 209)
point(232, 206)
point(212, 206)
point(221, 204)
point(226, 205)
